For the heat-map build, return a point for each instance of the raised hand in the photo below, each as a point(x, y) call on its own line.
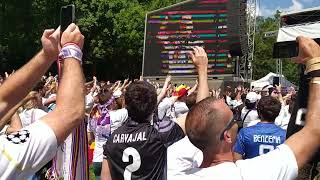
point(308, 49)
point(168, 79)
point(51, 43)
point(278, 88)
point(72, 35)
point(199, 58)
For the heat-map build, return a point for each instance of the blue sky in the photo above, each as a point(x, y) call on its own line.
point(269, 7)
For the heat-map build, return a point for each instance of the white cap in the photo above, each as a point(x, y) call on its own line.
point(267, 87)
point(252, 97)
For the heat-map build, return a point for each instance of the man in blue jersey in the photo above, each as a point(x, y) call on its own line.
point(264, 136)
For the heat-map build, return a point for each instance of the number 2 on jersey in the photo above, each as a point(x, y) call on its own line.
point(136, 163)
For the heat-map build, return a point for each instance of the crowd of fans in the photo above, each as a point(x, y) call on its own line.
point(145, 130)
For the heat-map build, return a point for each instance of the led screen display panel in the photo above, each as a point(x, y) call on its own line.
point(172, 32)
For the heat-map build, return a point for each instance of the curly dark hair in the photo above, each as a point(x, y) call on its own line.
point(268, 108)
point(141, 101)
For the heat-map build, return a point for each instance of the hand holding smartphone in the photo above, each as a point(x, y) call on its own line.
point(67, 16)
point(287, 49)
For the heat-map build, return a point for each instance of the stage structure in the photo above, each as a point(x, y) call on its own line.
point(304, 22)
point(245, 64)
point(220, 26)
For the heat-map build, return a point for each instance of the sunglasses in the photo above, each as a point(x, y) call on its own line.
point(231, 122)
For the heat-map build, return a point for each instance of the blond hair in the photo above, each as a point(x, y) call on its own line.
point(34, 102)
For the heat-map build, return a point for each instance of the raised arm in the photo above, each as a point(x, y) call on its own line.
point(193, 89)
point(6, 118)
point(94, 87)
point(22, 81)
point(165, 88)
point(200, 60)
point(306, 142)
point(69, 111)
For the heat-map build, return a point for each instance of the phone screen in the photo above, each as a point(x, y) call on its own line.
point(67, 16)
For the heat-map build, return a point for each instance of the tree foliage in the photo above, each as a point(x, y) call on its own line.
point(263, 62)
point(114, 34)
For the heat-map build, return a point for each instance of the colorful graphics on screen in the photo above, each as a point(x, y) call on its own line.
point(171, 33)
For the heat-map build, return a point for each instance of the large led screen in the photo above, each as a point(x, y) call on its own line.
point(172, 32)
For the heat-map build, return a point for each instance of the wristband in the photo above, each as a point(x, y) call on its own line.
point(313, 67)
point(71, 51)
point(71, 43)
point(313, 61)
point(315, 80)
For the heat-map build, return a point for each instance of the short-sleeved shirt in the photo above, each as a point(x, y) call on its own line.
point(259, 139)
point(139, 150)
point(30, 116)
point(24, 152)
point(102, 132)
point(183, 155)
point(279, 164)
point(249, 116)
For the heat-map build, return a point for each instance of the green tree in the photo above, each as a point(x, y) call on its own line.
point(263, 62)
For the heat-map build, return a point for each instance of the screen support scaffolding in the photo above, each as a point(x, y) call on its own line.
point(245, 65)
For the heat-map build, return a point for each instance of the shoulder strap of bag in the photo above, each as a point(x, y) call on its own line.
point(245, 116)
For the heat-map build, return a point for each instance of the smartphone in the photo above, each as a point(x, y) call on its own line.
point(67, 16)
point(287, 49)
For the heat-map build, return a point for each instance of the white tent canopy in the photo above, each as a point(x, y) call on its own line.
point(268, 80)
point(290, 33)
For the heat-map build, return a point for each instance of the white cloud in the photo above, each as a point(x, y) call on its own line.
point(295, 5)
point(308, 1)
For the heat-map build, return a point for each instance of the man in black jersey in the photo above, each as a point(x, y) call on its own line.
point(297, 121)
point(138, 149)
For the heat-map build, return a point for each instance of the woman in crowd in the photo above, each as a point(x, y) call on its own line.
point(32, 110)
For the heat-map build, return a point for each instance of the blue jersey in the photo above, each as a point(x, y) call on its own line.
point(259, 139)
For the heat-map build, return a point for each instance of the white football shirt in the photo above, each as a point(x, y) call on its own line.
point(24, 152)
point(279, 164)
point(183, 155)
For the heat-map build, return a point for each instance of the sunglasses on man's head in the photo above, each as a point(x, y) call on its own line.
point(228, 126)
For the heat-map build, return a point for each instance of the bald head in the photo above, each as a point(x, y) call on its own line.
point(205, 122)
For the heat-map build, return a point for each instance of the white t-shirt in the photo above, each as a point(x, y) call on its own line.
point(252, 116)
point(4, 129)
point(183, 155)
point(235, 103)
point(279, 164)
point(284, 117)
point(228, 100)
point(171, 109)
point(26, 151)
point(116, 118)
point(30, 116)
point(43, 99)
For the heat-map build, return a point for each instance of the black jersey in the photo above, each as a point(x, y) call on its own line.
point(139, 150)
point(297, 119)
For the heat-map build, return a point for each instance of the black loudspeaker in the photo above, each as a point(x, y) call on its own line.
point(276, 81)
